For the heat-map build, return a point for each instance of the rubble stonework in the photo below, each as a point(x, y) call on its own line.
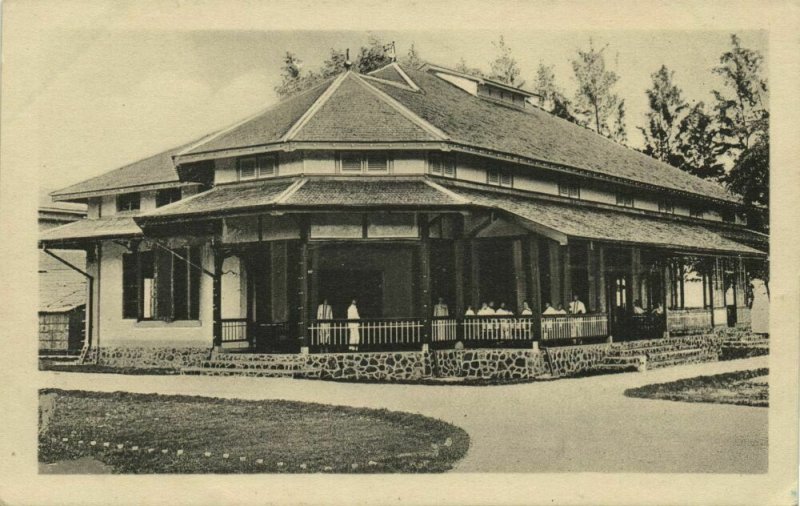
point(148, 357)
point(490, 364)
point(571, 360)
point(380, 366)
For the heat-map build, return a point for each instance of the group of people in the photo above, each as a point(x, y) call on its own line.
point(325, 314)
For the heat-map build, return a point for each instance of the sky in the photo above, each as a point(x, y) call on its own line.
point(123, 82)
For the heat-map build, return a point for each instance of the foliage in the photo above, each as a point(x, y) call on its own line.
point(466, 69)
point(412, 59)
point(289, 437)
point(550, 96)
point(749, 177)
point(596, 104)
point(666, 105)
point(698, 148)
point(741, 113)
point(504, 68)
point(372, 56)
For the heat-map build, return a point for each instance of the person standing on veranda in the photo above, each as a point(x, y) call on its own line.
point(759, 313)
point(324, 315)
point(353, 325)
point(440, 311)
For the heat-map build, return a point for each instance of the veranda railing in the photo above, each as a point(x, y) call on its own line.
point(367, 332)
point(497, 328)
point(581, 326)
point(683, 321)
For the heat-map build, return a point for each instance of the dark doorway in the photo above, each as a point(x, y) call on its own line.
point(617, 293)
point(340, 286)
point(496, 273)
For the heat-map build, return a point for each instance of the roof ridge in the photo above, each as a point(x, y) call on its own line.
point(316, 106)
point(224, 130)
point(289, 191)
point(404, 111)
point(396, 66)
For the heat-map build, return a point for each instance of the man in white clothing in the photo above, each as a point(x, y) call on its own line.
point(355, 336)
point(324, 315)
point(548, 309)
point(440, 312)
point(576, 306)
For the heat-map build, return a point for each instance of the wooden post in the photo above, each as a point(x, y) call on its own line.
point(475, 274)
point(567, 265)
point(425, 279)
point(314, 296)
point(520, 280)
point(216, 296)
point(667, 291)
point(591, 276)
point(534, 286)
point(636, 268)
point(602, 305)
point(302, 287)
point(555, 272)
point(712, 277)
point(458, 276)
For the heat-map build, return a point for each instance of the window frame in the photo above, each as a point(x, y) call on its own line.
point(664, 206)
point(625, 200)
point(168, 192)
point(260, 164)
point(139, 266)
point(569, 187)
point(132, 196)
point(504, 178)
point(446, 164)
point(364, 158)
point(697, 212)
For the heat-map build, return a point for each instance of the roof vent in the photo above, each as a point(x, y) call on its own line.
point(347, 63)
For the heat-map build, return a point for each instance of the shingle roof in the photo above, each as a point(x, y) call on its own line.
point(305, 193)
point(266, 127)
point(61, 288)
point(606, 225)
point(356, 113)
point(229, 197)
point(389, 73)
point(536, 134)
point(117, 226)
point(154, 169)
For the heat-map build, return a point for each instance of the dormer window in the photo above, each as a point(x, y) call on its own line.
point(499, 177)
point(253, 167)
point(571, 190)
point(728, 216)
point(129, 202)
point(624, 200)
point(167, 196)
point(441, 165)
point(665, 206)
point(370, 162)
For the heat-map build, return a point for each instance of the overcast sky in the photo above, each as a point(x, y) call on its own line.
point(126, 82)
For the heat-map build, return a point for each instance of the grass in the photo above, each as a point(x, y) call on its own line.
point(52, 365)
point(256, 436)
point(747, 388)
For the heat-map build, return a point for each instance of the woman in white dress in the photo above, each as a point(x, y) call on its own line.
point(355, 335)
point(759, 313)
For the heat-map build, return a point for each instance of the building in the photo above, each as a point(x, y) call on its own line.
point(398, 188)
point(62, 290)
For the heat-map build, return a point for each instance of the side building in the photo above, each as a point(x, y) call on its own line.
point(395, 190)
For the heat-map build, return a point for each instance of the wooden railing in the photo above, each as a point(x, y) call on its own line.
point(497, 328)
point(234, 330)
point(444, 329)
point(687, 321)
point(556, 327)
point(367, 332)
point(643, 326)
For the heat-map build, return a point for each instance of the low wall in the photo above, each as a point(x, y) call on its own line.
point(148, 357)
point(489, 364)
point(375, 366)
point(571, 360)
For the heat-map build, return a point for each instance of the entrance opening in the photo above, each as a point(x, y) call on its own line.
point(341, 286)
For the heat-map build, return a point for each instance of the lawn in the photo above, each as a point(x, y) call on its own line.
point(148, 433)
point(61, 366)
point(748, 388)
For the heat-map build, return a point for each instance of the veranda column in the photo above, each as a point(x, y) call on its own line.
point(520, 281)
point(567, 265)
point(474, 274)
point(667, 292)
point(302, 288)
point(554, 259)
point(216, 296)
point(602, 305)
point(425, 279)
point(636, 269)
point(591, 278)
point(534, 286)
point(458, 275)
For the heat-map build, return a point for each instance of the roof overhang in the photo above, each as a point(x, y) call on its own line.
point(82, 196)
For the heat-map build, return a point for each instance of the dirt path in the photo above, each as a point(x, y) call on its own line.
point(582, 424)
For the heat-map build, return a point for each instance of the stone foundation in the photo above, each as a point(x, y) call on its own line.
point(572, 360)
point(370, 366)
point(489, 364)
point(148, 358)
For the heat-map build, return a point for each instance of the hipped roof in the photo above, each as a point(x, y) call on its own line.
point(379, 108)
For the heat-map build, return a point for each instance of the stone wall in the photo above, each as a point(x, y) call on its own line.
point(148, 358)
point(374, 366)
point(489, 364)
point(571, 360)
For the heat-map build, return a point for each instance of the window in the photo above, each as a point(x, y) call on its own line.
point(168, 196)
point(624, 200)
point(696, 212)
point(159, 285)
point(728, 216)
point(571, 190)
point(372, 162)
point(129, 202)
point(255, 167)
point(665, 206)
point(499, 177)
point(441, 165)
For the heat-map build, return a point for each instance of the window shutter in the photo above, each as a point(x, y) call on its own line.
point(350, 162)
point(505, 179)
point(449, 167)
point(377, 162)
point(493, 177)
point(247, 168)
point(266, 166)
point(435, 163)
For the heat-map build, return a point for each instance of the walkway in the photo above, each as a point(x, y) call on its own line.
point(569, 425)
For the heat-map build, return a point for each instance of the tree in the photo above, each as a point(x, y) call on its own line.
point(549, 95)
point(698, 149)
point(412, 59)
point(504, 68)
point(291, 80)
point(335, 64)
point(597, 105)
point(372, 56)
point(749, 177)
point(466, 69)
point(666, 105)
point(742, 112)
